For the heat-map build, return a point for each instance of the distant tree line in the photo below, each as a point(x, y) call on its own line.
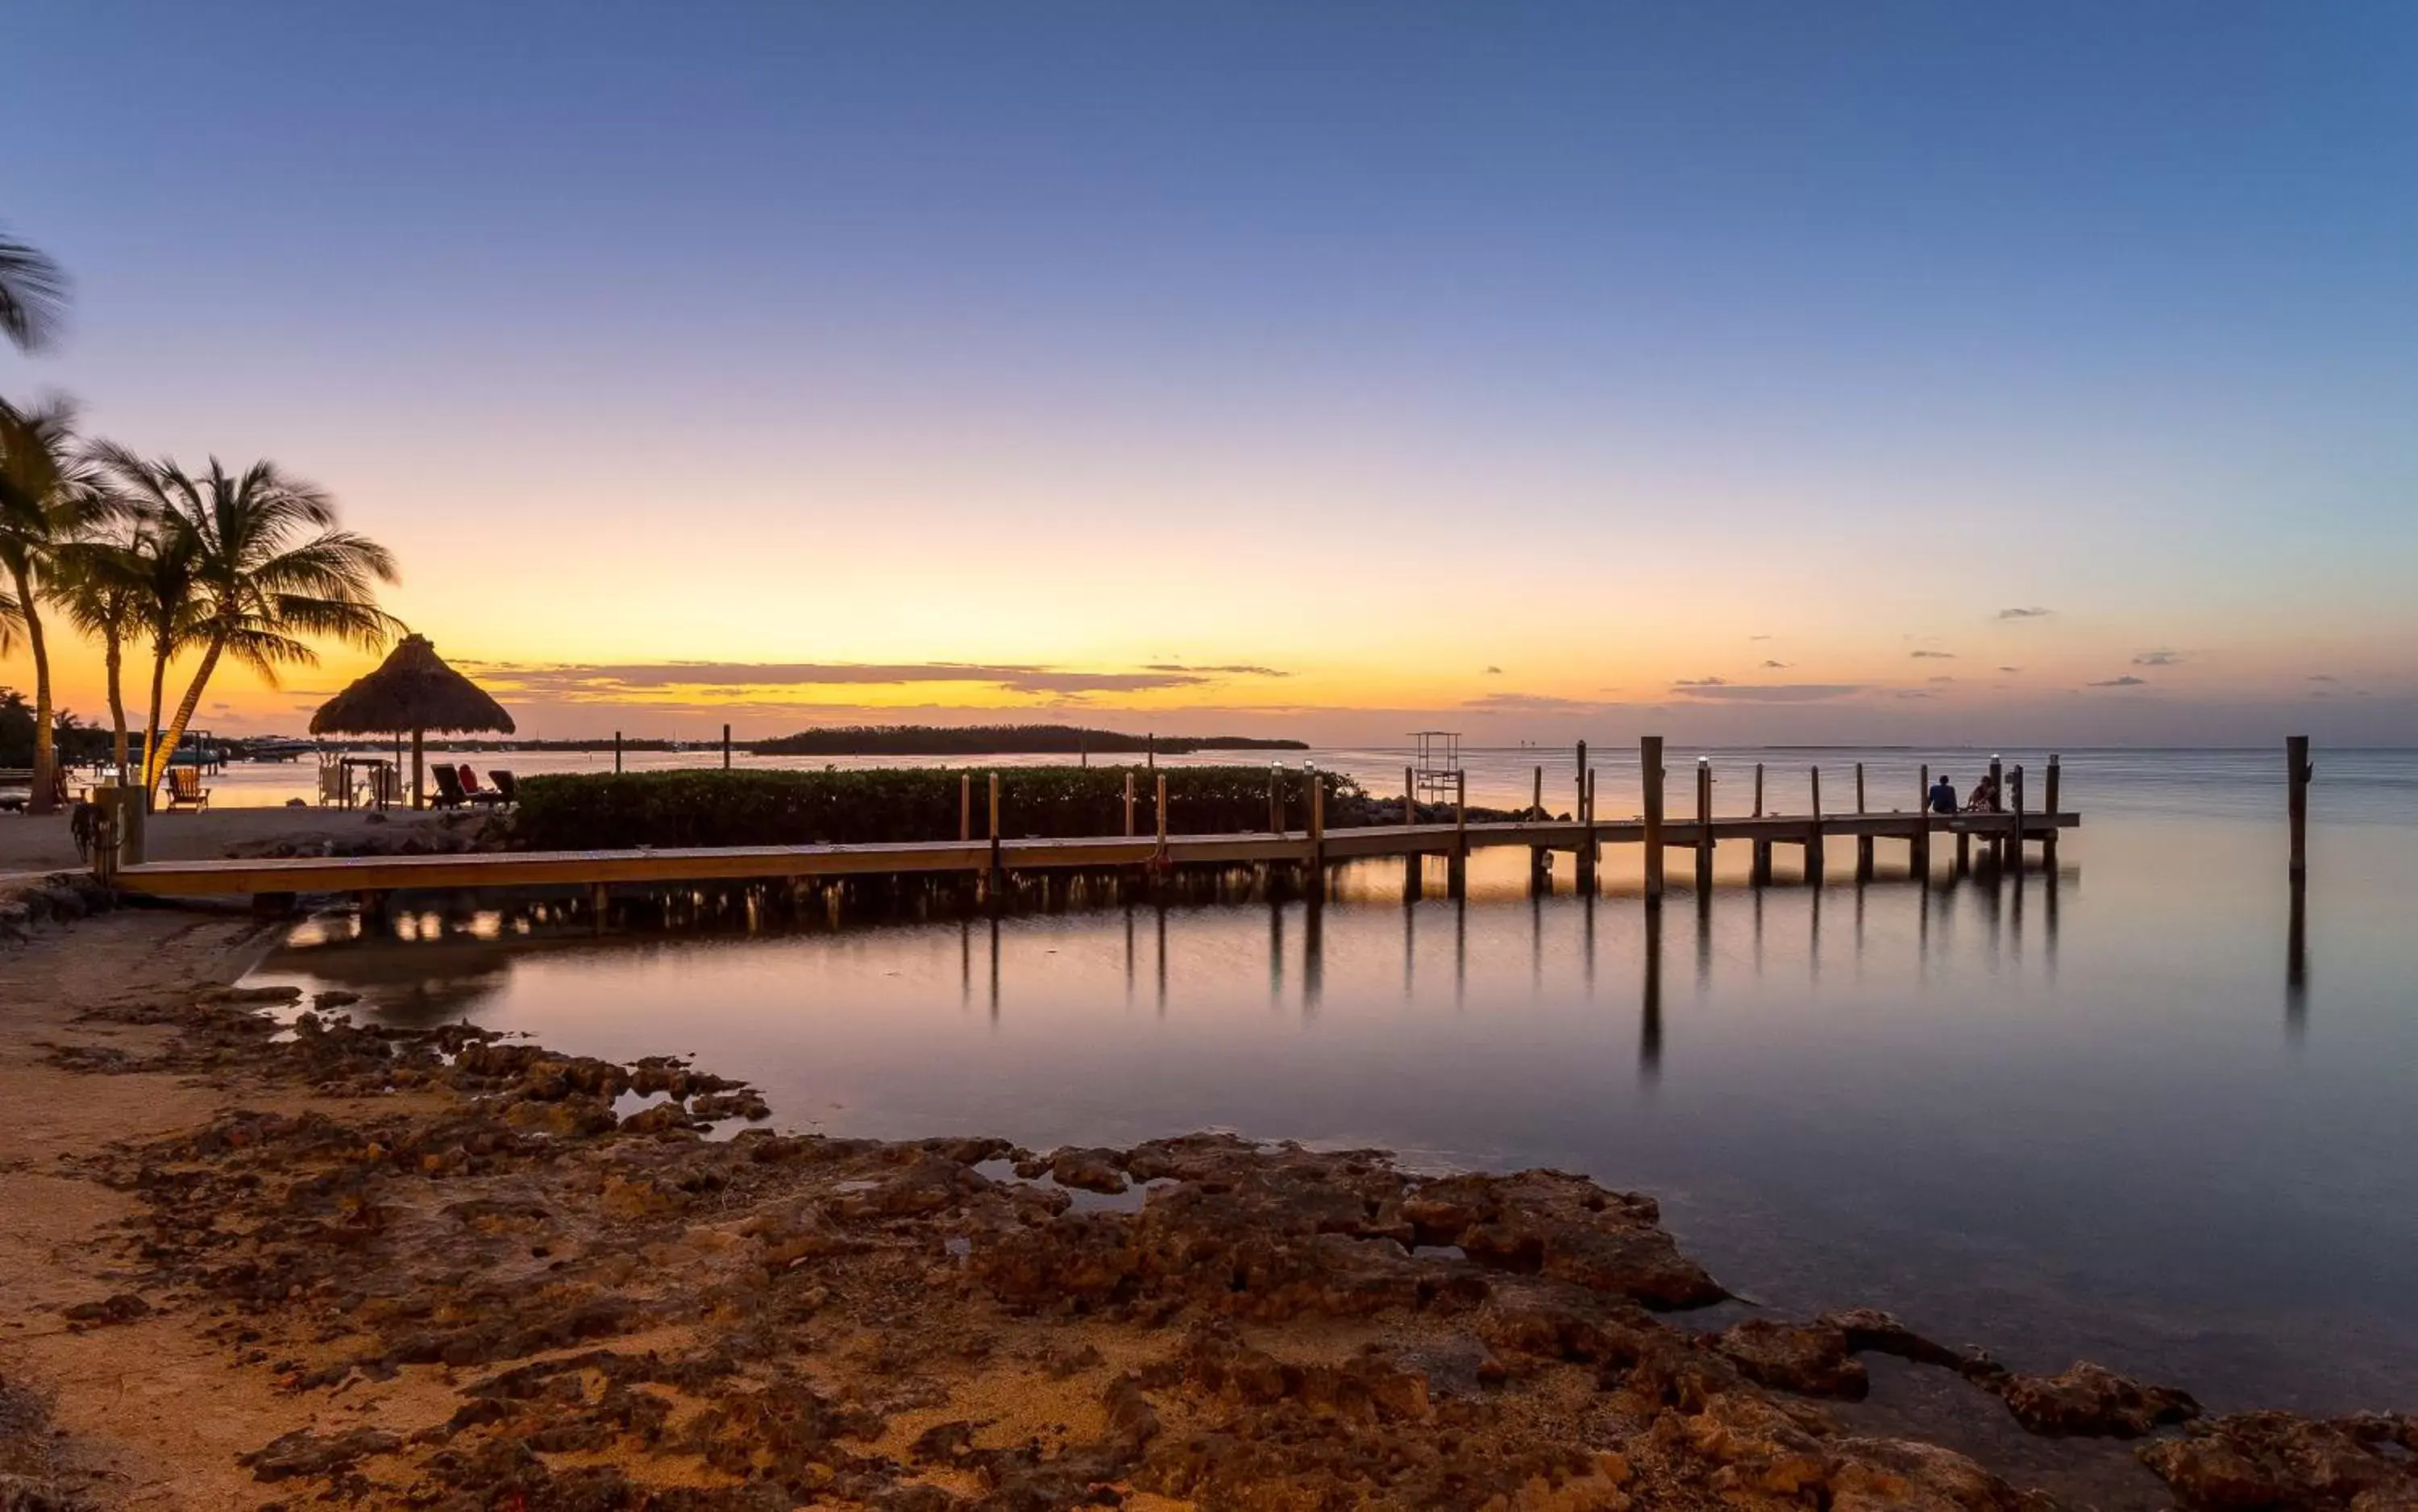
point(998, 740)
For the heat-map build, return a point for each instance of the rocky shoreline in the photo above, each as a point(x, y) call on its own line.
point(455, 1271)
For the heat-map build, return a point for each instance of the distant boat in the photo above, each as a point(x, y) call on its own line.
point(279, 748)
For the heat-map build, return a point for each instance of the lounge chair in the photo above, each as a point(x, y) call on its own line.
point(506, 784)
point(448, 792)
point(476, 794)
point(185, 789)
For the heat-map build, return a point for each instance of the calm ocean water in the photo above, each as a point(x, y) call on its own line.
point(2101, 1114)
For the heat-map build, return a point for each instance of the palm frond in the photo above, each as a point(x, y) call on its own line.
point(32, 296)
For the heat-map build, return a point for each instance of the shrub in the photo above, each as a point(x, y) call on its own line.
point(589, 811)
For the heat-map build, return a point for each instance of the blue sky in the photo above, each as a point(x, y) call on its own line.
point(871, 334)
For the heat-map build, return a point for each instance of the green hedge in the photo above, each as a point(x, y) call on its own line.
point(584, 812)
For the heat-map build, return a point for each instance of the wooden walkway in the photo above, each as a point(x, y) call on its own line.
point(980, 857)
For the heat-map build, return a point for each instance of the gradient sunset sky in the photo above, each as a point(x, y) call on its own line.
point(1741, 372)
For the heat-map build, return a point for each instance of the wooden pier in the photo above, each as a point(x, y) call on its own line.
point(2004, 834)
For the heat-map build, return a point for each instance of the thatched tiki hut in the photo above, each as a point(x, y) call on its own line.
point(412, 692)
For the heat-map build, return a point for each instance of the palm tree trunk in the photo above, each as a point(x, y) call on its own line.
point(151, 730)
point(45, 796)
point(114, 658)
point(185, 707)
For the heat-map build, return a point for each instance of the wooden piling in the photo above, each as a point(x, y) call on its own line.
point(1917, 845)
point(1540, 860)
point(1813, 837)
point(1997, 805)
point(998, 870)
point(2015, 828)
point(2049, 807)
point(1317, 836)
point(1761, 872)
point(1456, 870)
point(1864, 843)
point(1129, 804)
point(1276, 803)
point(726, 748)
point(2297, 773)
point(617, 752)
point(1649, 768)
point(1704, 828)
point(1591, 848)
point(1410, 797)
point(966, 807)
point(1161, 806)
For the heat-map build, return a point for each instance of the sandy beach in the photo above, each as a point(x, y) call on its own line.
point(32, 847)
point(434, 1268)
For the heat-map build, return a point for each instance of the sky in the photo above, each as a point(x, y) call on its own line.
point(1744, 372)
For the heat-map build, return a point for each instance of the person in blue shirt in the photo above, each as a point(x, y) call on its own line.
point(1943, 795)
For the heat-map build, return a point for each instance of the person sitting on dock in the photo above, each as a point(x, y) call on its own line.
point(1985, 796)
point(1943, 795)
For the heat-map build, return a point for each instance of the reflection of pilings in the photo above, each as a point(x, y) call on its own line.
point(1588, 957)
point(994, 968)
point(2049, 881)
point(1313, 957)
point(1162, 960)
point(1758, 933)
point(2296, 957)
point(1923, 930)
point(1649, 1036)
point(1410, 949)
point(1704, 942)
point(1275, 954)
point(966, 963)
point(1536, 946)
point(1814, 937)
point(1460, 948)
point(1130, 952)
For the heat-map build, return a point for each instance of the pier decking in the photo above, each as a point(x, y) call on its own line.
point(559, 868)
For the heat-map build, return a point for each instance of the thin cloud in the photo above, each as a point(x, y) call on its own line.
point(1933, 656)
point(2127, 681)
point(1702, 682)
point(1942, 678)
point(2158, 659)
point(2010, 669)
point(1770, 692)
point(2323, 677)
point(1494, 672)
point(1529, 703)
point(1219, 671)
point(2026, 614)
point(618, 680)
point(1758, 637)
point(1776, 666)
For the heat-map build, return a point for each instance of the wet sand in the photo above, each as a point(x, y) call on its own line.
point(435, 1268)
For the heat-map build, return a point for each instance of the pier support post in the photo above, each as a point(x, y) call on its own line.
point(965, 806)
point(1130, 806)
point(2297, 772)
point(1317, 836)
point(1703, 829)
point(617, 752)
point(726, 748)
point(1760, 873)
point(1410, 799)
point(1457, 870)
point(1541, 861)
point(1590, 848)
point(1997, 805)
point(1863, 842)
point(1813, 837)
point(1917, 845)
point(2015, 829)
point(1649, 771)
point(998, 872)
point(2049, 807)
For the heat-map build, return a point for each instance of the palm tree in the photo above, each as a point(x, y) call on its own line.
point(102, 587)
point(33, 295)
point(267, 566)
point(47, 498)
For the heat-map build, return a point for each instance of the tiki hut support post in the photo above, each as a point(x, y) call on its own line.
point(413, 691)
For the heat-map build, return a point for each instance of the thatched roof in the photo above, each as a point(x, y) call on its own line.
point(413, 689)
